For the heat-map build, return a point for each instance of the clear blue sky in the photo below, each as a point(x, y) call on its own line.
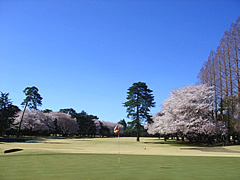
point(85, 54)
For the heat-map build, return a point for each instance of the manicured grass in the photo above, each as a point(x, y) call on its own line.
point(105, 166)
point(128, 145)
point(97, 158)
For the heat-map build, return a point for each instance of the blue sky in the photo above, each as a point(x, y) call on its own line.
point(85, 54)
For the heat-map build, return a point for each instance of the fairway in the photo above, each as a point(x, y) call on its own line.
point(97, 158)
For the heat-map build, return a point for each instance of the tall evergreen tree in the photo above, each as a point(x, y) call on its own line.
point(32, 100)
point(7, 112)
point(139, 101)
point(123, 122)
point(86, 124)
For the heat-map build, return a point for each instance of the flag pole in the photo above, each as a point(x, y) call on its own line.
point(118, 150)
point(116, 129)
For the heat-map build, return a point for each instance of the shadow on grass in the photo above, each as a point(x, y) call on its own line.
point(55, 143)
point(32, 139)
point(204, 147)
point(173, 143)
point(186, 143)
point(212, 149)
point(20, 139)
point(35, 139)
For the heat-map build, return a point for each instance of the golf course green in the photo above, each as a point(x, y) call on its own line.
point(97, 158)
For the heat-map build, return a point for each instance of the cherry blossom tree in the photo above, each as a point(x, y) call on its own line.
point(107, 128)
point(32, 122)
point(187, 113)
point(111, 126)
point(66, 124)
point(35, 122)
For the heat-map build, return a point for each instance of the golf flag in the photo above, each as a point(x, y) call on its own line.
point(116, 129)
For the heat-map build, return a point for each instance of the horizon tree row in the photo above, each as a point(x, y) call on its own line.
point(36, 122)
point(32, 121)
point(222, 71)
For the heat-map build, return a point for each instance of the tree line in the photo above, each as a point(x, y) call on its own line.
point(68, 122)
point(34, 122)
point(222, 71)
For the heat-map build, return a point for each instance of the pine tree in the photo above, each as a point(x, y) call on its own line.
point(139, 101)
point(32, 100)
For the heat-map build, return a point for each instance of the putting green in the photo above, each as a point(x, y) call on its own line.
point(97, 158)
point(128, 145)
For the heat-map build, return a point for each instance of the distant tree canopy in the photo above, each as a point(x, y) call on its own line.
point(33, 98)
point(47, 110)
point(85, 121)
point(36, 122)
point(32, 121)
point(104, 130)
point(70, 111)
point(7, 112)
point(123, 122)
point(139, 101)
point(86, 124)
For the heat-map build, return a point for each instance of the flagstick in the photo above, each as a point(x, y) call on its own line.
point(118, 151)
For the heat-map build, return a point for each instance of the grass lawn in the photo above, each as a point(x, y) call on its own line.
point(57, 159)
point(104, 166)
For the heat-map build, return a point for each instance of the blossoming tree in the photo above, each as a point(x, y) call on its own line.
point(187, 113)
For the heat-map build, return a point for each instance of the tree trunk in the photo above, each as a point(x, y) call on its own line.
point(178, 138)
point(20, 123)
point(182, 138)
point(138, 123)
point(210, 140)
point(138, 137)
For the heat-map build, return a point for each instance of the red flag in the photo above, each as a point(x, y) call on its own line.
point(116, 129)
